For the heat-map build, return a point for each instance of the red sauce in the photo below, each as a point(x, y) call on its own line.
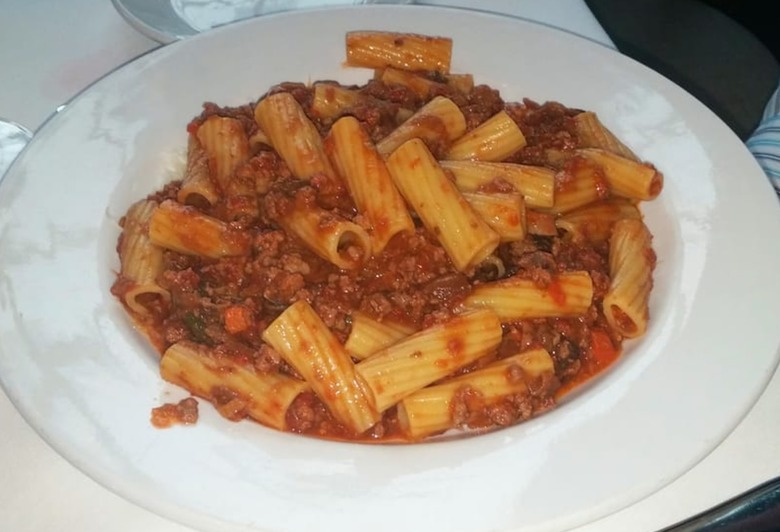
point(556, 292)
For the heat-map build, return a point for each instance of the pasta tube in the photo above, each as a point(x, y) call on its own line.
point(307, 344)
point(294, 137)
point(594, 221)
point(504, 213)
point(335, 239)
point(369, 182)
point(368, 335)
point(438, 123)
point(226, 145)
point(462, 82)
point(516, 298)
point(240, 194)
point(631, 264)
point(626, 177)
point(197, 187)
point(419, 85)
point(423, 86)
point(189, 231)
point(492, 267)
point(331, 100)
point(429, 355)
point(407, 51)
point(591, 133)
point(236, 390)
point(433, 410)
point(535, 183)
point(580, 182)
point(141, 261)
point(466, 238)
point(495, 139)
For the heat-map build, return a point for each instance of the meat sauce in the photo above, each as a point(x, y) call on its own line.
point(227, 303)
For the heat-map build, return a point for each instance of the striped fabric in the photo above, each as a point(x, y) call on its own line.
point(764, 143)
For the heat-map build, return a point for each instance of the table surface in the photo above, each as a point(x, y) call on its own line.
point(49, 51)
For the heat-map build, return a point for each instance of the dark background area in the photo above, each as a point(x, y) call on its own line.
point(726, 53)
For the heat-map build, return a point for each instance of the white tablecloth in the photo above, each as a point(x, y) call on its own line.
point(52, 49)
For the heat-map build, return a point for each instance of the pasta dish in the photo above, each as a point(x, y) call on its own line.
point(391, 261)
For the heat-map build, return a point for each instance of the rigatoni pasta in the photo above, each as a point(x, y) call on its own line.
point(186, 230)
point(631, 264)
point(438, 123)
point(594, 221)
point(626, 177)
point(517, 298)
point(292, 135)
point(237, 389)
point(334, 238)
point(197, 187)
point(390, 261)
point(429, 355)
point(535, 183)
point(591, 133)
point(367, 335)
point(368, 180)
point(141, 262)
point(581, 182)
point(330, 100)
point(301, 337)
point(504, 213)
point(226, 145)
point(407, 51)
point(496, 389)
point(494, 140)
point(466, 237)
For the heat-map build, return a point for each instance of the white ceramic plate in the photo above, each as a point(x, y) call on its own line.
point(86, 381)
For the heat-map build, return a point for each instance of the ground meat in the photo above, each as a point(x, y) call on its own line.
point(451, 287)
point(263, 169)
point(175, 331)
point(168, 192)
point(301, 416)
point(229, 403)
point(378, 117)
point(281, 286)
point(539, 266)
point(397, 94)
point(465, 402)
point(501, 414)
point(546, 127)
point(564, 350)
point(223, 277)
point(332, 194)
point(267, 360)
point(307, 415)
point(483, 102)
point(267, 245)
point(185, 412)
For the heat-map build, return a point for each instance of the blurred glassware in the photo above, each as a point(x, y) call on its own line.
point(13, 138)
point(167, 21)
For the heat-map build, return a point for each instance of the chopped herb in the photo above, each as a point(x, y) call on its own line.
point(197, 328)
